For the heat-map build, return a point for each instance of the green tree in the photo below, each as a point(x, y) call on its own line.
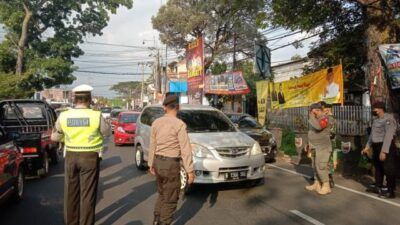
point(42, 37)
point(227, 26)
point(350, 30)
point(218, 68)
point(127, 89)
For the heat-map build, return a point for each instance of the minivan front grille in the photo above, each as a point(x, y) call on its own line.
point(233, 152)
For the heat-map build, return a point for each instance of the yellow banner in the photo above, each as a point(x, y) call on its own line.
point(262, 93)
point(324, 85)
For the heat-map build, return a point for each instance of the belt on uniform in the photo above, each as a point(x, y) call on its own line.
point(161, 157)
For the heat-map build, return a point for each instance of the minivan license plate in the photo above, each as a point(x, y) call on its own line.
point(236, 175)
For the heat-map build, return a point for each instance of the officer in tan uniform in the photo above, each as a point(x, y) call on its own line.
point(169, 145)
point(384, 150)
point(83, 130)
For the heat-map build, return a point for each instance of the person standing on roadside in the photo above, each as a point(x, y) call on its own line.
point(321, 147)
point(83, 130)
point(381, 140)
point(169, 145)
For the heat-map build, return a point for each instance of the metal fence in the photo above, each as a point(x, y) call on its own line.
point(350, 120)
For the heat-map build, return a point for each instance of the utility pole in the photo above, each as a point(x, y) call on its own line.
point(142, 91)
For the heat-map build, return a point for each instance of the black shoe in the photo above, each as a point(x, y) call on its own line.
point(374, 189)
point(388, 195)
point(156, 220)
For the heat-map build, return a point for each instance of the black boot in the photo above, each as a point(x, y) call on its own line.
point(388, 195)
point(374, 189)
point(156, 220)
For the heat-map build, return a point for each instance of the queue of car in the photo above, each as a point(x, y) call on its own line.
point(226, 147)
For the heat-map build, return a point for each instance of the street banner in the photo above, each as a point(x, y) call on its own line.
point(230, 83)
point(195, 71)
point(391, 57)
point(182, 70)
point(262, 62)
point(324, 85)
point(178, 86)
point(262, 93)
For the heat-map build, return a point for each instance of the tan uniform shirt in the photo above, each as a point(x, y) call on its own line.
point(169, 138)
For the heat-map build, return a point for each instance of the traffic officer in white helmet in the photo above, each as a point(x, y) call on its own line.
point(83, 130)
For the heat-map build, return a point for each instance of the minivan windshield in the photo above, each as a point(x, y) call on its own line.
point(205, 121)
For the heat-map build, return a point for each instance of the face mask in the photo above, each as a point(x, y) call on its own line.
point(374, 113)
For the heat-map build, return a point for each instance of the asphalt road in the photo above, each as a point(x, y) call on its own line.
point(127, 197)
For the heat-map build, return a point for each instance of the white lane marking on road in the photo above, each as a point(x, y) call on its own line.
point(341, 187)
point(58, 175)
point(306, 217)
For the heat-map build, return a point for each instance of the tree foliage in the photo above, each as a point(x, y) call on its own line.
point(225, 25)
point(127, 89)
point(43, 36)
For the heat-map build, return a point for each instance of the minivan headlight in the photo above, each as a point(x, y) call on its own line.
point(200, 151)
point(256, 149)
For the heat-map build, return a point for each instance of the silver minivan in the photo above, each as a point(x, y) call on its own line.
point(221, 152)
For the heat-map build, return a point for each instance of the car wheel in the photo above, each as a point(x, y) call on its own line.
point(19, 186)
point(45, 168)
point(257, 182)
point(139, 160)
point(185, 187)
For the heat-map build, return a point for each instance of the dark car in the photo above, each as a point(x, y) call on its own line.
point(29, 124)
point(11, 169)
point(250, 126)
point(114, 117)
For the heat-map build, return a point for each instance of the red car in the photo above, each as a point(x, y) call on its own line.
point(11, 169)
point(125, 128)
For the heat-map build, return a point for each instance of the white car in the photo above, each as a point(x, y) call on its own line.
point(221, 152)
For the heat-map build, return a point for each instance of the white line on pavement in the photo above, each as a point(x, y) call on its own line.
point(58, 175)
point(341, 187)
point(308, 218)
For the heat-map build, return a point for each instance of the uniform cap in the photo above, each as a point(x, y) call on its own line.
point(379, 105)
point(83, 88)
point(315, 106)
point(170, 99)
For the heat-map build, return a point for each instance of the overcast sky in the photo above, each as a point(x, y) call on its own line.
point(133, 27)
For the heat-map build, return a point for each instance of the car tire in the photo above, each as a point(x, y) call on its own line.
point(257, 182)
point(42, 172)
point(139, 158)
point(185, 187)
point(19, 186)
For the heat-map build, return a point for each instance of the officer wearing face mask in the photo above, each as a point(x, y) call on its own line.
point(381, 141)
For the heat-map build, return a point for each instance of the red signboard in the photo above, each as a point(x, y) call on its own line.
point(230, 83)
point(195, 71)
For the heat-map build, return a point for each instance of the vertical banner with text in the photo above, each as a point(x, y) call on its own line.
point(195, 71)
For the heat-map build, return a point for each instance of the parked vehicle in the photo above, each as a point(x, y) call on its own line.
point(114, 117)
point(11, 169)
point(29, 123)
point(221, 152)
point(106, 112)
point(125, 128)
point(250, 126)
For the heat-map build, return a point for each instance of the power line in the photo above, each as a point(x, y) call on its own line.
point(116, 45)
point(111, 73)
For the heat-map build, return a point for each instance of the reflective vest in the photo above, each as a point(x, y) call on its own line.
point(81, 129)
